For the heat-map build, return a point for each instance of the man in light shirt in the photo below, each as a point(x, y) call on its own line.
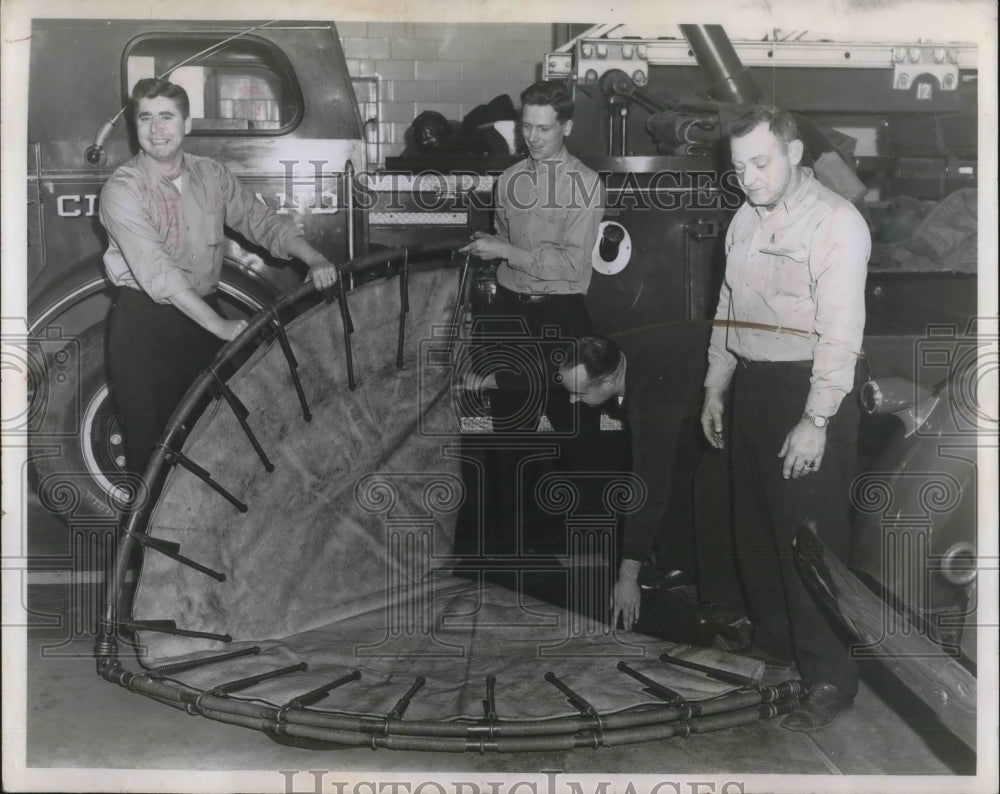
point(786, 338)
point(548, 213)
point(164, 213)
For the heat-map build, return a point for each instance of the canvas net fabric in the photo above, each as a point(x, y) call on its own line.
point(342, 559)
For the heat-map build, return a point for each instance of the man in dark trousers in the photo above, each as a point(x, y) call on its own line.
point(650, 386)
point(164, 212)
point(786, 339)
point(548, 213)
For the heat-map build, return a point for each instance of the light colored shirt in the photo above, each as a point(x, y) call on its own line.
point(794, 290)
point(164, 241)
point(554, 210)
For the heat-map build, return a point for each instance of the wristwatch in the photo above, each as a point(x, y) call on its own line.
point(816, 421)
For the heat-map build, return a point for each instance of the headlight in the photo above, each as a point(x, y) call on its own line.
point(909, 401)
point(958, 564)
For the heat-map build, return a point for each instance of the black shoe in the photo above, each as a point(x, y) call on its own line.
point(653, 578)
point(819, 708)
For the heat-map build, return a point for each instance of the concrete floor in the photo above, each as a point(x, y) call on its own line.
point(75, 720)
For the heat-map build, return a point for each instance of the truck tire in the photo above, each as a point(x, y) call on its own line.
point(77, 450)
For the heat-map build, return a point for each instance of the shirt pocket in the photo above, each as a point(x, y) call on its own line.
point(209, 232)
point(551, 224)
point(788, 275)
point(739, 235)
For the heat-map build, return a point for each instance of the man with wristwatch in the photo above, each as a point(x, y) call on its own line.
point(786, 336)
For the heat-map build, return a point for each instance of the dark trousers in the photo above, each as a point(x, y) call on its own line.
point(154, 354)
point(522, 343)
point(768, 510)
point(524, 347)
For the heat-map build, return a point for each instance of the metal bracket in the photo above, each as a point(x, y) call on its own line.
point(703, 229)
point(594, 58)
point(911, 63)
point(558, 65)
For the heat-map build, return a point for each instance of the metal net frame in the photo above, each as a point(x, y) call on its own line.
point(299, 720)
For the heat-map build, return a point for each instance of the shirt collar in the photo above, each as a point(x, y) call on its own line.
point(793, 198)
point(559, 161)
point(153, 172)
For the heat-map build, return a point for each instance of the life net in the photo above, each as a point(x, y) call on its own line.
point(297, 568)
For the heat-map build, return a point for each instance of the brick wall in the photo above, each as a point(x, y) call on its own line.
point(449, 68)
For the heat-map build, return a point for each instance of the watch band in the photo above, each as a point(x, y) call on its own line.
point(816, 421)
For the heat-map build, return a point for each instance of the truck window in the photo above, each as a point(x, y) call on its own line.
point(246, 87)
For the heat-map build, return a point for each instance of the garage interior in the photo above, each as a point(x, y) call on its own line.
point(75, 720)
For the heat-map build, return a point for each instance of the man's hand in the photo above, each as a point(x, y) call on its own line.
point(190, 304)
point(322, 272)
point(711, 416)
point(626, 596)
point(802, 450)
point(487, 246)
point(227, 330)
point(324, 276)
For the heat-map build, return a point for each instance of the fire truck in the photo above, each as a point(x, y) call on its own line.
point(284, 120)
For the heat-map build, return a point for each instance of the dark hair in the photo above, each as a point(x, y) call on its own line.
point(598, 355)
point(780, 122)
point(550, 92)
point(152, 87)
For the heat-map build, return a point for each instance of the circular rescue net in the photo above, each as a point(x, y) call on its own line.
point(296, 573)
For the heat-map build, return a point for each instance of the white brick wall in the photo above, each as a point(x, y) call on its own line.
point(450, 68)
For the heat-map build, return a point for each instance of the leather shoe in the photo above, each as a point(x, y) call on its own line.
point(819, 708)
point(652, 577)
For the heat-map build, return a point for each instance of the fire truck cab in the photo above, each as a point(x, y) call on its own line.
point(273, 101)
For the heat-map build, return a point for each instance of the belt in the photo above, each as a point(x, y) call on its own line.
point(125, 291)
point(762, 366)
point(531, 297)
point(139, 296)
